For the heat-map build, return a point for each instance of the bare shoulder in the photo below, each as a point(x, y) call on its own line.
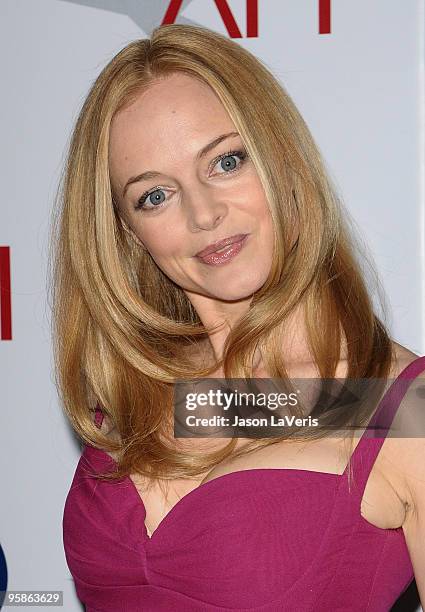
point(109, 429)
point(410, 460)
point(406, 454)
point(403, 356)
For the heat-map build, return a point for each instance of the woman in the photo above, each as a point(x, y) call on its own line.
point(199, 236)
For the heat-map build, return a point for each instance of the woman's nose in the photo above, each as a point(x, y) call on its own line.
point(204, 208)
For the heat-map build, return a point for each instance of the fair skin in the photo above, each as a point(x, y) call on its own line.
point(200, 201)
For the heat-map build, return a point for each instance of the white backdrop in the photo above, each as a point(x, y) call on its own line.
point(360, 87)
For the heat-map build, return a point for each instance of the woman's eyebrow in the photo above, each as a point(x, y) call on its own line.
point(150, 174)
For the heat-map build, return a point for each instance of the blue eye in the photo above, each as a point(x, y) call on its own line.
point(154, 198)
point(156, 201)
point(227, 163)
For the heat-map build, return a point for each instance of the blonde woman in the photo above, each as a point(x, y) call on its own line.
point(199, 236)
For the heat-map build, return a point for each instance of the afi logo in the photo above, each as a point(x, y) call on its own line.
point(147, 14)
point(5, 296)
point(251, 17)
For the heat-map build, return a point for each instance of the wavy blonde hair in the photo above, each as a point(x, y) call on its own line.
point(124, 332)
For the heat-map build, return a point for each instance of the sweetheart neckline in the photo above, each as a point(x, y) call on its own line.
point(174, 509)
point(338, 477)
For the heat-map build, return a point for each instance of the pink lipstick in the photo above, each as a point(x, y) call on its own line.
point(225, 250)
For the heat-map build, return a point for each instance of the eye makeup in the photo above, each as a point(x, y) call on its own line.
point(141, 202)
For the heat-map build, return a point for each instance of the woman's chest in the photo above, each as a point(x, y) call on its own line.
point(380, 505)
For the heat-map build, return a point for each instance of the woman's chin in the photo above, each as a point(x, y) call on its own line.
point(237, 291)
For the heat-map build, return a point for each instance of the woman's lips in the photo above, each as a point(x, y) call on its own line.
point(219, 244)
point(224, 254)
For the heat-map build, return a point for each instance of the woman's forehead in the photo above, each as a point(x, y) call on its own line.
point(178, 99)
point(173, 114)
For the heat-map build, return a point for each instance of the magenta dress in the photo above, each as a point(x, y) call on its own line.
point(267, 539)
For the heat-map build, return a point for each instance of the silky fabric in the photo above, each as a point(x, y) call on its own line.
point(263, 539)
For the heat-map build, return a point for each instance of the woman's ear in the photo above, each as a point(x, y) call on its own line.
point(129, 231)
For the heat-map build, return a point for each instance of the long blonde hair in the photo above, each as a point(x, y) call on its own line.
point(123, 332)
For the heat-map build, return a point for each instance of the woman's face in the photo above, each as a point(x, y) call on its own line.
point(198, 188)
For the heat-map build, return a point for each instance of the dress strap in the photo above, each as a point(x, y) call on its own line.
point(98, 416)
point(367, 449)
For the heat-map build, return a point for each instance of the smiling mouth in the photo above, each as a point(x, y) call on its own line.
point(220, 245)
point(224, 254)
